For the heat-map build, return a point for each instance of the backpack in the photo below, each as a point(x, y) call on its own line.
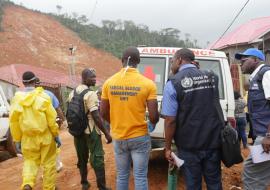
point(76, 117)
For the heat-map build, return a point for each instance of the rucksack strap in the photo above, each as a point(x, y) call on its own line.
point(82, 94)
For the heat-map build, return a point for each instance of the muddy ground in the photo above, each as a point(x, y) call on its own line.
point(69, 179)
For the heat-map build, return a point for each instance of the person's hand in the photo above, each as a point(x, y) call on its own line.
point(18, 147)
point(108, 138)
point(65, 124)
point(266, 144)
point(59, 121)
point(150, 126)
point(58, 141)
point(168, 156)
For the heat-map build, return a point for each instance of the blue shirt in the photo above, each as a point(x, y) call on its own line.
point(169, 101)
point(55, 101)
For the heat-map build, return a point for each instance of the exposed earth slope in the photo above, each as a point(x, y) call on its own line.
point(34, 38)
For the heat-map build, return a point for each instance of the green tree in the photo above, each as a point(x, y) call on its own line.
point(114, 36)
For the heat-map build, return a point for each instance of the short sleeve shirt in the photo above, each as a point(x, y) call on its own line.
point(55, 101)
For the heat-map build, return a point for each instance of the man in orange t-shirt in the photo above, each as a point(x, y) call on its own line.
point(125, 97)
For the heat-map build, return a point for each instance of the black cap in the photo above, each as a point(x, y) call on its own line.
point(28, 76)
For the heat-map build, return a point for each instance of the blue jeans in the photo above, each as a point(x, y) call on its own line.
point(241, 123)
point(137, 151)
point(202, 163)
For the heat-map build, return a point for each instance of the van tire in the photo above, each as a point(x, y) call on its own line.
point(10, 146)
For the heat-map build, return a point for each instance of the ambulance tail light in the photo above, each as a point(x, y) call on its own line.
point(232, 121)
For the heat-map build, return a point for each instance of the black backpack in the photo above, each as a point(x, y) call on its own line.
point(76, 117)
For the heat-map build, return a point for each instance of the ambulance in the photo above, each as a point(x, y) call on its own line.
point(155, 65)
point(6, 142)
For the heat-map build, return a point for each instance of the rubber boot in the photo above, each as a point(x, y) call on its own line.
point(84, 181)
point(27, 187)
point(101, 182)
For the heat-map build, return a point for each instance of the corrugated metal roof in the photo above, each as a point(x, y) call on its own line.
point(13, 74)
point(245, 33)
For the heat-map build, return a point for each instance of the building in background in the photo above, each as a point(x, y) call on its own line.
point(57, 82)
point(255, 33)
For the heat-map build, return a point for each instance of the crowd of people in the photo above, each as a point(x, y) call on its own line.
point(118, 111)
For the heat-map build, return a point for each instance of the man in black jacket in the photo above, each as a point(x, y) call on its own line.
point(192, 120)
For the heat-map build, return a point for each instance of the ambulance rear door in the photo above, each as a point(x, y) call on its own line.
point(216, 65)
point(155, 67)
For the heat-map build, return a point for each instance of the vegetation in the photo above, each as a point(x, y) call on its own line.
point(3, 3)
point(114, 36)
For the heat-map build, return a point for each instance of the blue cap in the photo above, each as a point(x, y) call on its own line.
point(251, 52)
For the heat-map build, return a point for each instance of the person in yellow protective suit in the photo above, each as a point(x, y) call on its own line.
point(60, 119)
point(35, 131)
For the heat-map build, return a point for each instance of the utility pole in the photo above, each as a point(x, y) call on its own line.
point(72, 74)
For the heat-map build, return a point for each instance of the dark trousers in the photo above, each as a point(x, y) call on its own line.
point(251, 133)
point(204, 163)
point(241, 129)
point(85, 144)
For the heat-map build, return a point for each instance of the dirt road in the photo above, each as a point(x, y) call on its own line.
point(68, 178)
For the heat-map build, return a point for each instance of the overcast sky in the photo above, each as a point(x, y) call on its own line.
point(205, 20)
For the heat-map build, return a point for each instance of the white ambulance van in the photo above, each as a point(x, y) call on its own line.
point(155, 65)
point(6, 141)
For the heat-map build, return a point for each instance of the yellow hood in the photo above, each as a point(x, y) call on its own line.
point(27, 99)
point(32, 114)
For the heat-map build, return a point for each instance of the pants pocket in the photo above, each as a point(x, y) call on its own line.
point(97, 160)
point(142, 146)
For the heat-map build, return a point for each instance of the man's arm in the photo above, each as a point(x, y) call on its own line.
point(99, 124)
point(92, 106)
point(56, 105)
point(266, 84)
point(170, 126)
point(266, 89)
point(170, 107)
point(105, 103)
point(14, 121)
point(60, 114)
point(105, 109)
point(152, 106)
point(51, 120)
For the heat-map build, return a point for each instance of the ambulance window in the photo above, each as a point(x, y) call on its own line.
point(215, 66)
point(154, 69)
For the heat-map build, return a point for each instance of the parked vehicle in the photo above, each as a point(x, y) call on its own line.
point(6, 141)
point(155, 64)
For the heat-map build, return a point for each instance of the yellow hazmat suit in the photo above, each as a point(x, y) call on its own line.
point(33, 123)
